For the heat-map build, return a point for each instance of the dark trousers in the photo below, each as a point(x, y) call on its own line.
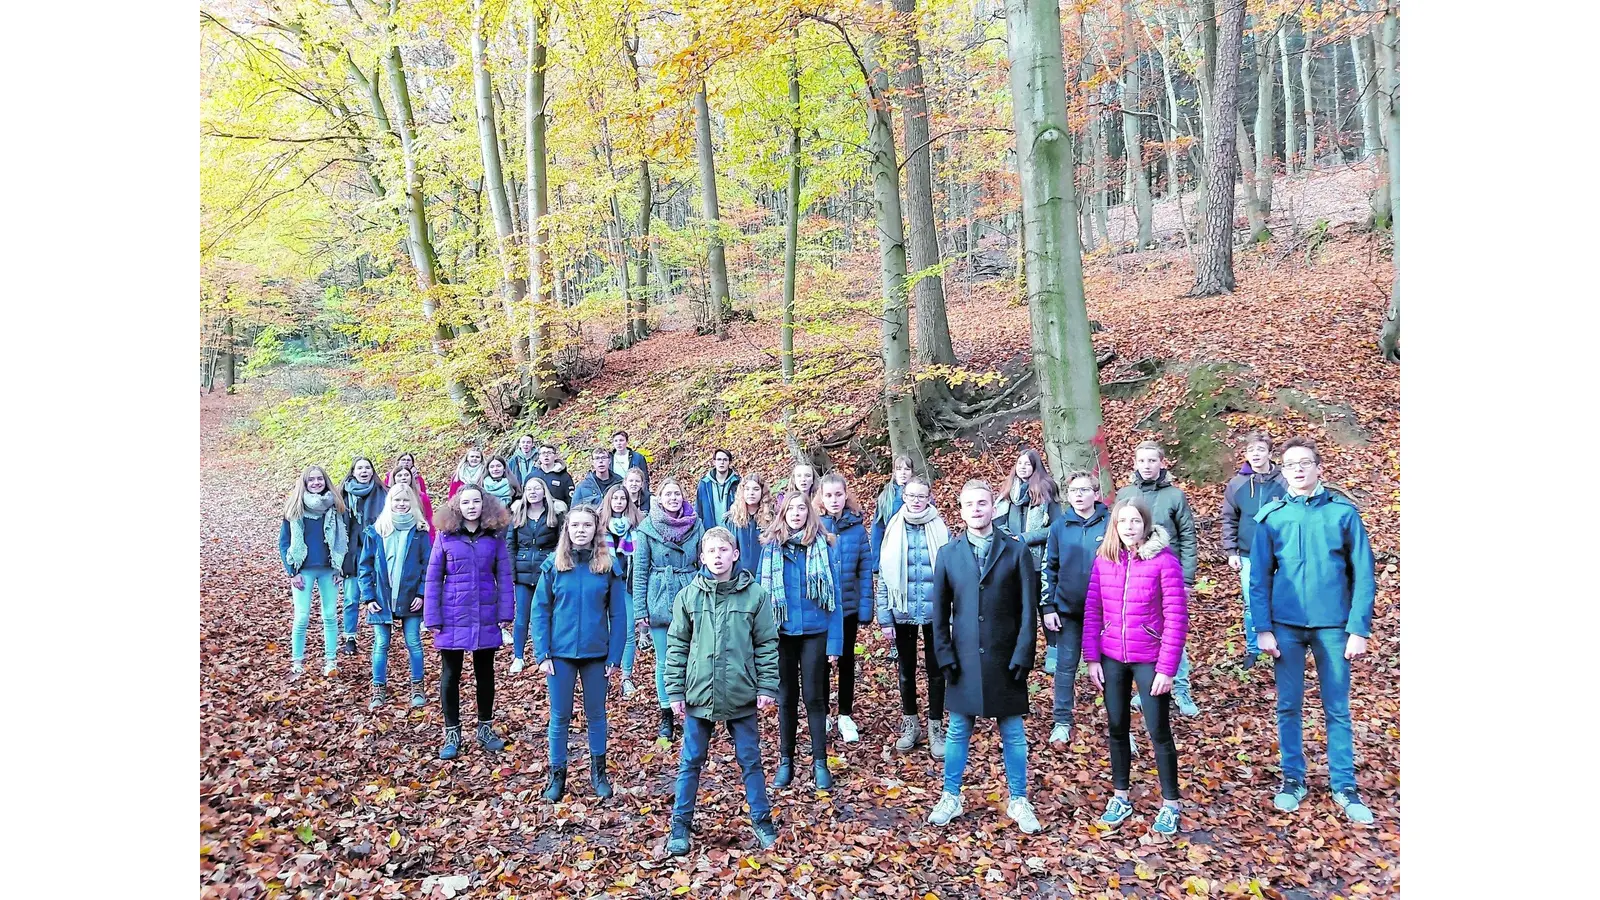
point(746, 748)
point(450, 662)
point(1120, 679)
point(803, 671)
point(563, 684)
point(847, 666)
point(905, 640)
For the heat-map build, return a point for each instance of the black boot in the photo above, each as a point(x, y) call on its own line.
point(785, 773)
point(598, 777)
point(820, 773)
point(558, 785)
point(678, 843)
point(664, 733)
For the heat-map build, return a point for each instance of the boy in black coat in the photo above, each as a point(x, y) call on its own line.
point(985, 600)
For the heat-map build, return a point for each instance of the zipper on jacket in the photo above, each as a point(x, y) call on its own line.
point(1127, 576)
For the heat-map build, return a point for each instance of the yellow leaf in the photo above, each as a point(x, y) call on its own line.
point(682, 889)
point(1196, 886)
point(385, 795)
point(394, 839)
point(1143, 872)
point(930, 896)
point(645, 810)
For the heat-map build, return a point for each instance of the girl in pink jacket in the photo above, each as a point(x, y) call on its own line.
point(1135, 619)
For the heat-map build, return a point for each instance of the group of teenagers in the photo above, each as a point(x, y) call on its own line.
point(751, 600)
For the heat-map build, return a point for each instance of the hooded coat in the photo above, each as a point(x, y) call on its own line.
point(722, 647)
point(1244, 496)
point(1170, 509)
point(468, 591)
point(1068, 557)
point(1311, 565)
point(707, 493)
point(1137, 611)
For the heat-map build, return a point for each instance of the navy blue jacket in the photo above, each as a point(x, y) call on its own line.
point(705, 494)
point(748, 540)
point(880, 520)
point(316, 546)
point(852, 557)
point(1311, 565)
point(592, 490)
point(1068, 559)
point(802, 615)
point(372, 579)
point(580, 614)
point(529, 545)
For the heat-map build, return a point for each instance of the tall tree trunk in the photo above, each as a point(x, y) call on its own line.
point(900, 412)
point(1336, 104)
point(1170, 128)
point(1247, 163)
point(1389, 48)
point(791, 233)
point(1132, 127)
point(1307, 96)
point(1097, 143)
point(1063, 357)
point(933, 328)
point(513, 188)
point(542, 374)
point(639, 301)
point(1214, 268)
point(228, 372)
point(1266, 48)
point(1383, 195)
point(1366, 94)
point(721, 300)
point(420, 240)
point(1291, 120)
point(513, 287)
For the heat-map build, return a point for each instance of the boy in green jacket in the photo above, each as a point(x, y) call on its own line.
point(1170, 508)
point(722, 666)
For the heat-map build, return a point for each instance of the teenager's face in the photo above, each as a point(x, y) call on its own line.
point(804, 478)
point(547, 458)
point(902, 474)
point(751, 492)
point(402, 476)
point(672, 498)
point(917, 497)
point(602, 465)
point(1081, 495)
point(533, 492)
point(794, 512)
point(1024, 467)
point(1147, 463)
point(497, 469)
point(1130, 527)
point(1300, 469)
point(525, 445)
point(634, 481)
point(316, 482)
point(721, 463)
point(977, 509)
point(718, 556)
point(619, 442)
point(619, 503)
point(833, 495)
point(400, 505)
point(1259, 455)
point(407, 460)
point(580, 530)
point(363, 471)
point(471, 505)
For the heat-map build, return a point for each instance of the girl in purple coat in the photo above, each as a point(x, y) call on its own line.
point(1135, 619)
point(468, 596)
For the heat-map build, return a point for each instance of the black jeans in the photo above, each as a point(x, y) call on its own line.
point(847, 666)
point(450, 684)
point(905, 640)
point(803, 670)
point(1120, 678)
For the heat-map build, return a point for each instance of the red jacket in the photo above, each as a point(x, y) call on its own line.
point(1136, 611)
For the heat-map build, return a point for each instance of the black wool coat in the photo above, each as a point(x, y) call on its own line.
point(984, 622)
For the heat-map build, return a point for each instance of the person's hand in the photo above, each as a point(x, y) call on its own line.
point(338, 580)
point(765, 702)
point(1097, 675)
point(298, 582)
point(888, 633)
point(833, 659)
point(641, 627)
point(1019, 673)
point(611, 671)
point(372, 608)
point(435, 632)
point(680, 709)
point(1356, 646)
point(416, 604)
point(1161, 684)
point(1268, 642)
point(1052, 621)
point(548, 667)
point(1234, 563)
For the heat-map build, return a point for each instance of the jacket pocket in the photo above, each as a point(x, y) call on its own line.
point(1151, 631)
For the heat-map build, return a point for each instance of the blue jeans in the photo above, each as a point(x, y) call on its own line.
point(1013, 750)
point(658, 640)
point(630, 647)
point(411, 631)
point(562, 684)
point(1333, 682)
point(746, 748)
point(1069, 640)
point(321, 578)
point(1250, 644)
point(351, 608)
point(519, 622)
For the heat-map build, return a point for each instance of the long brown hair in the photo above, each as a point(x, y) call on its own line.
point(633, 512)
point(850, 501)
point(447, 518)
point(1041, 487)
point(739, 511)
point(600, 548)
point(777, 531)
point(294, 505)
point(1111, 545)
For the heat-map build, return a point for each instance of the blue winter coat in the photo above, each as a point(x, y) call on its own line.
point(1311, 565)
point(802, 615)
point(851, 556)
point(706, 493)
point(530, 544)
point(580, 614)
point(880, 520)
point(748, 539)
point(919, 582)
point(1068, 559)
point(660, 570)
point(372, 579)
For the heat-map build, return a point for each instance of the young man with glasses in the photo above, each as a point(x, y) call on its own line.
point(1312, 588)
point(1258, 483)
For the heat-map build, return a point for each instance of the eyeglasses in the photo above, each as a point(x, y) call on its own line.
point(1087, 490)
point(918, 496)
point(1301, 464)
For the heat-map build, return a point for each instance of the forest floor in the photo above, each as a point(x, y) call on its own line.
point(303, 790)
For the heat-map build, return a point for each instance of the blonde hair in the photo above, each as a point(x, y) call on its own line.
point(777, 531)
point(519, 506)
point(632, 512)
point(739, 511)
point(1151, 445)
point(850, 501)
point(600, 549)
point(663, 486)
point(294, 505)
point(642, 482)
point(384, 523)
point(719, 534)
point(1111, 545)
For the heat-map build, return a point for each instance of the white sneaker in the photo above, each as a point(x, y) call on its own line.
point(1061, 734)
point(506, 636)
point(948, 807)
point(1021, 812)
point(517, 665)
point(628, 688)
point(847, 730)
point(328, 669)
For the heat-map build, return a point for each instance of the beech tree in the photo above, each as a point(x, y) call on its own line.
point(1213, 272)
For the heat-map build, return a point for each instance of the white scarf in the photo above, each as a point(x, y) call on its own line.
point(332, 531)
point(892, 564)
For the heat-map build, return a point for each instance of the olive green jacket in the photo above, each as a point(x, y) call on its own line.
point(722, 647)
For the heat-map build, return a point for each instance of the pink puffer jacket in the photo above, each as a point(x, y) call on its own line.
point(1136, 611)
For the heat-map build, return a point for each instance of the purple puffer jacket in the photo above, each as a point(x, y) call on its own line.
point(469, 591)
point(1136, 611)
